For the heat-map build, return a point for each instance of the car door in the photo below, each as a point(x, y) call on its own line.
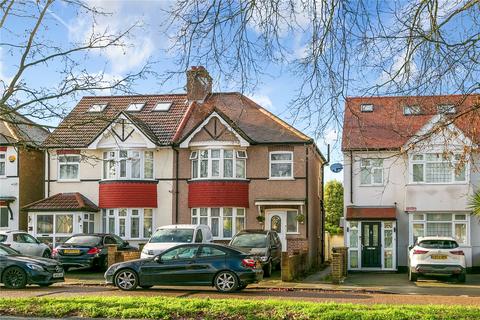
point(207, 263)
point(35, 248)
point(173, 267)
point(19, 244)
point(276, 248)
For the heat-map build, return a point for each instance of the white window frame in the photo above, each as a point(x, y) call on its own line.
point(270, 162)
point(4, 161)
point(162, 106)
point(412, 110)
point(129, 158)
point(423, 221)
point(372, 169)
point(196, 159)
point(97, 107)
point(59, 164)
point(128, 222)
point(136, 106)
point(297, 231)
point(195, 213)
point(424, 162)
point(446, 109)
point(366, 107)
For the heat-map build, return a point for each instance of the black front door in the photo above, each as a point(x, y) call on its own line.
point(371, 245)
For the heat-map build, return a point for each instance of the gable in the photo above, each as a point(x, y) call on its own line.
point(214, 130)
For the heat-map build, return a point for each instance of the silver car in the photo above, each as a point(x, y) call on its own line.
point(25, 243)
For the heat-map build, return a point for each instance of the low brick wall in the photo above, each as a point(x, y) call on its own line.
point(339, 264)
point(294, 266)
point(115, 256)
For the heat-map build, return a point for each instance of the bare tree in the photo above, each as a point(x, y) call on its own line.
point(25, 28)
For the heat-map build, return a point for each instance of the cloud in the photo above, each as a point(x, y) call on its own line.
point(331, 136)
point(263, 100)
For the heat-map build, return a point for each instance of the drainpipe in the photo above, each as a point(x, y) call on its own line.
point(351, 176)
point(48, 173)
point(306, 190)
point(322, 239)
point(176, 185)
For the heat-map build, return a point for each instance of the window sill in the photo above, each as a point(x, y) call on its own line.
point(67, 181)
point(461, 183)
point(372, 185)
point(281, 179)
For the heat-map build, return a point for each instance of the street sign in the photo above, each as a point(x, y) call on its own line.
point(336, 167)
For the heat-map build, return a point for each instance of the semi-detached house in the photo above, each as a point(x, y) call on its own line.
point(129, 164)
point(411, 167)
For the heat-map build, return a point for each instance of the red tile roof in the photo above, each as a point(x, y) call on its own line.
point(63, 202)
point(371, 213)
point(388, 128)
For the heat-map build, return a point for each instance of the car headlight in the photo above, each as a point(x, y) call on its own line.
point(264, 259)
point(148, 252)
point(35, 267)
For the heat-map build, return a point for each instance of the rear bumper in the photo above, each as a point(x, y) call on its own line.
point(438, 269)
point(254, 276)
point(78, 262)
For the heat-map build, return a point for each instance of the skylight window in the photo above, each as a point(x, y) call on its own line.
point(412, 110)
point(446, 109)
point(366, 107)
point(98, 107)
point(162, 106)
point(136, 106)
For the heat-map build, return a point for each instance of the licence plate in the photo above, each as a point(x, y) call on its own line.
point(439, 257)
point(58, 275)
point(71, 251)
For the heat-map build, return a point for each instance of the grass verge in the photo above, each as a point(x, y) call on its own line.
point(220, 309)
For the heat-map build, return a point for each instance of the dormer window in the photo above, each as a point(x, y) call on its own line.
point(366, 108)
point(97, 107)
point(446, 109)
point(412, 110)
point(136, 106)
point(162, 106)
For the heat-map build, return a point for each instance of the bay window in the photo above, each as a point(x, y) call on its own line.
point(371, 172)
point(223, 222)
point(68, 167)
point(126, 223)
point(218, 164)
point(2, 164)
point(440, 224)
point(281, 165)
point(128, 164)
point(437, 168)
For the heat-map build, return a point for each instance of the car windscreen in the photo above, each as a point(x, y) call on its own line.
point(88, 241)
point(5, 251)
point(250, 240)
point(438, 244)
point(172, 235)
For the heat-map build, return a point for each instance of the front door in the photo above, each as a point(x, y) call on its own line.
point(371, 245)
point(277, 221)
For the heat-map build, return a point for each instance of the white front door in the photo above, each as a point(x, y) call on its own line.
point(277, 221)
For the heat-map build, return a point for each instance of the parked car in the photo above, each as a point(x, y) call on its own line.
point(88, 250)
point(17, 270)
point(25, 243)
point(226, 268)
point(169, 236)
point(265, 244)
point(436, 256)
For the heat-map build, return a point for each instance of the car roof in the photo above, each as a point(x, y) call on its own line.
point(436, 238)
point(209, 244)
point(255, 231)
point(182, 226)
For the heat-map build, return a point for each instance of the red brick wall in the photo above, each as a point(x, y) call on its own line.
point(218, 194)
point(127, 195)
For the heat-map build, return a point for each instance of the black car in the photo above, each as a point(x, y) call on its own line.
point(205, 264)
point(17, 270)
point(262, 243)
point(88, 250)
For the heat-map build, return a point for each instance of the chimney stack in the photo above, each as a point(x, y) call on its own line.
point(199, 84)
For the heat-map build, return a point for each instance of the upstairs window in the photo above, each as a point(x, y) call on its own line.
point(371, 172)
point(136, 106)
point(437, 168)
point(281, 165)
point(128, 164)
point(412, 110)
point(98, 107)
point(3, 162)
point(68, 167)
point(446, 109)
point(218, 164)
point(366, 108)
point(162, 106)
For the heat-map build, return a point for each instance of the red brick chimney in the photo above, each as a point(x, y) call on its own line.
point(199, 84)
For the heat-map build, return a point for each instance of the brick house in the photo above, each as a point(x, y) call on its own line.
point(410, 170)
point(201, 157)
point(21, 168)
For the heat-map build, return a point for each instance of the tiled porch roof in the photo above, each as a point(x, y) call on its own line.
point(63, 202)
point(371, 213)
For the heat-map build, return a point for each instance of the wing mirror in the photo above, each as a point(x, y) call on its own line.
point(157, 259)
point(410, 247)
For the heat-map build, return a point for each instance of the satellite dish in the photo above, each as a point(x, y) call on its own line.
point(336, 167)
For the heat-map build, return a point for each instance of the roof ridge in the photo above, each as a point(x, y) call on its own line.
point(79, 199)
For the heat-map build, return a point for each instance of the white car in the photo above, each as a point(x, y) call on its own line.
point(169, 236)
point(25, 243)
point(436, 256)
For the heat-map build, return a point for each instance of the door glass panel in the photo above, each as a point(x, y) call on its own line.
point(276, 224)
point(375, 235)
point(388, 254)
point(418, 231)
point(388, 238)
point(354, 259)
point(461, 233)
point(366, 235)
point(353, 235)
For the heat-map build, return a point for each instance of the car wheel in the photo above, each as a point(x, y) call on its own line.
point(267, 270)
point(226, 281)
point(126, 279)
point(146, 287)
point(46, 254)
point(14, 278)
point(462, 277)
point(412, 276)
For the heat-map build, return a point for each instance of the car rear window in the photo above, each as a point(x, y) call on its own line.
point(5, 251)
point(3, 237)
point(438, 244)
point(85, 240)
point(172, 236)
point(250, 240)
